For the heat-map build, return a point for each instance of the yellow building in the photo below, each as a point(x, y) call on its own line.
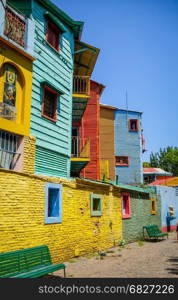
point(16, 58)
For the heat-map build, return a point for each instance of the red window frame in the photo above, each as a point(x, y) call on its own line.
point(54, 118)
point(53, 35)
point(137, 125)
point(127, 213)
point(121, 163)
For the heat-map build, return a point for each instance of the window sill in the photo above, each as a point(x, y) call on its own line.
point(48, 118)
point(126, 217)
point(54, 49)
point(122, 165)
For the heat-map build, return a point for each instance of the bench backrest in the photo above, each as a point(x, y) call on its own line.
point(152, 229)
point(24, 260)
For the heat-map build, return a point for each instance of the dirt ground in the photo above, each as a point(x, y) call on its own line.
point(136, 260)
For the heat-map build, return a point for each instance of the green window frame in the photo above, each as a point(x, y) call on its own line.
point(96, 205)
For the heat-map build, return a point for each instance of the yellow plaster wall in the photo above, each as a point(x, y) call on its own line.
point(23, 99)
point(22, 208)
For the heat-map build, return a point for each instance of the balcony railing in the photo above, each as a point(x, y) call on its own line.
point(9, 155)
point(81, 85)
point(15, 26)
point(80, 147)
point(7, 111)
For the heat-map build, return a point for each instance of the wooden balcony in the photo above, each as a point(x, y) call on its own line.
point(81, 86)
point(80, 156)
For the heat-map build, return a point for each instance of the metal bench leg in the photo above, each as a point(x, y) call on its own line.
point(64, 272)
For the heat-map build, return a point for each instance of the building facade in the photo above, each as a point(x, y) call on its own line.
point(128, 147)
point(16, 58)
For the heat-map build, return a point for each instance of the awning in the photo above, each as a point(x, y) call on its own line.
point(85, 57)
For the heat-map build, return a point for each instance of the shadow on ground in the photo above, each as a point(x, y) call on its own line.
point(173, 265)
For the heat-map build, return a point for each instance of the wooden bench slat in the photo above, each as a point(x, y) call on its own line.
point(27, 262)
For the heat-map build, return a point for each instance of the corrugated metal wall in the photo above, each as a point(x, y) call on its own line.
point(56, 68)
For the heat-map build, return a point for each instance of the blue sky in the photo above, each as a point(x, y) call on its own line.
point(139, 53)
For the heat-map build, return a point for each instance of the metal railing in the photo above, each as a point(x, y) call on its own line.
point(80, 147)
point(81, 85)
point(7, 111)
point(9, 155)
point(15, 26)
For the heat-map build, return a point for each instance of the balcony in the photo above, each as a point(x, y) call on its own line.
point(80, 154)
point(17, 29)
point(15, 26)
point(81, 86)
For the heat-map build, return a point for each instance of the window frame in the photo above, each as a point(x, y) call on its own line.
point(58, 219)
point(137, 125)
point(95, 213)
point(128, 214)
point(122, 164)
point(153, 206)
point(52, 91)
point(57, 32)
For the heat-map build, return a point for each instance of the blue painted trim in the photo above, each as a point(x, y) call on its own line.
point(52, 220)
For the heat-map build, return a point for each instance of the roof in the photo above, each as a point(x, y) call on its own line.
point(157, 171)
point(85, 58)
point(108, 106)
point(167, 182)
point(127, 187)
point(76, 26)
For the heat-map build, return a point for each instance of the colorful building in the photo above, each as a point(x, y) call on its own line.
point(152, 174)
point(140, 207)
point(128, 146)
point(107, 142)
point(169, 206)
point(16, 58)
point(85, 114)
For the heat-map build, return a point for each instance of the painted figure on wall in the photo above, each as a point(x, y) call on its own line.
point(10, 85)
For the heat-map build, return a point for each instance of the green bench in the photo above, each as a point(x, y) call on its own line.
point(153, 232)
point(30, 262)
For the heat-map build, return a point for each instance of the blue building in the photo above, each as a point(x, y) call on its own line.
point(128, 146)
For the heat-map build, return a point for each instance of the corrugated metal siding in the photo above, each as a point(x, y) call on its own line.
point(128, 144)
point(57, 69)
point(107, 140)
point(51, 163)
point(90, 128)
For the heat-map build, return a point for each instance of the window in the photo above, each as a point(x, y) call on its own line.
point(53, 203)
point(133, 125)
point(125, 205)
point(176, 190)
point(9, 150)
point(153, 206)
point(49, 106)
point(52, 35)
point(96, 205)
point(122, 161)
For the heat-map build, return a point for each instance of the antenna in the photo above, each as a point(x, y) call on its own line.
point(126, 102)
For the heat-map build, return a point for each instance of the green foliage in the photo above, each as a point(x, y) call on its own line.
point(166, 159)
point(146, 164)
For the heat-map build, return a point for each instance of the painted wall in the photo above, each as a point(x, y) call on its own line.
point(23, 65)
point(53, 138)
point(140, 216)
point(90, 128)
point(22, 216)
point(129, 144)
point(168, 196)
point(107, 142)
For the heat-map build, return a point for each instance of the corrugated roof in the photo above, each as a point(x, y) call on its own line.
point(168, 182)
point(155, 171)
